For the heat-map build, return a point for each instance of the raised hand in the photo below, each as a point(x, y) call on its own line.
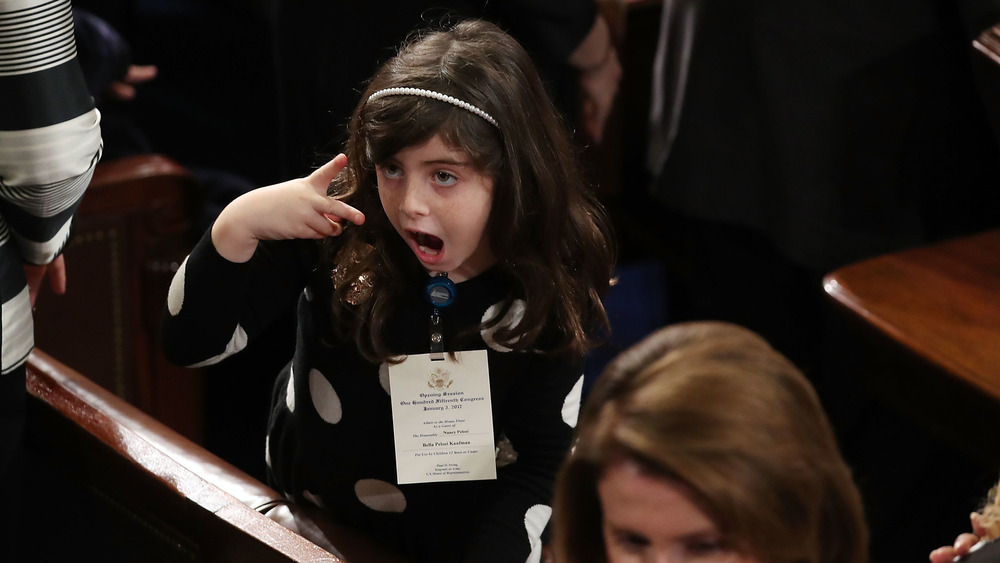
point(124, 89)
point(296, 209)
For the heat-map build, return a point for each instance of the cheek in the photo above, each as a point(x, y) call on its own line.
point(468, 215)
point(388, 203)
point(482, 220)
point(475, 227)
point(482, 212)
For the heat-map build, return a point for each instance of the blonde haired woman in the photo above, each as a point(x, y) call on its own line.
point(702, 443)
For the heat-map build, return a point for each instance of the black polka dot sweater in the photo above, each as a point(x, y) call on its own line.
point(330, 435)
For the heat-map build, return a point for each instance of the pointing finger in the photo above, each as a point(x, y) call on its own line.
point(322, 176)
point(337, 210)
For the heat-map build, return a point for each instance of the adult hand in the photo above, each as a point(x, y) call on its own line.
point(963, 543)
point(123, 90)
point(600, 72)
point(296, 209)
point(56, 272)
point(599, 88)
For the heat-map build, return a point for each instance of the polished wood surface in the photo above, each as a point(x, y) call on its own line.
point(124, 475)
point(105, 445)
point(941, 302)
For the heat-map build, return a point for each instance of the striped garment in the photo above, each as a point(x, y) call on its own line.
point(50, 141)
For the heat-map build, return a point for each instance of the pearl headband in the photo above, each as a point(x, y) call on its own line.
point(436, 96)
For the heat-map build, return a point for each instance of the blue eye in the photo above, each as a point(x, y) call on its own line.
point(445, 178)
point(389, 170)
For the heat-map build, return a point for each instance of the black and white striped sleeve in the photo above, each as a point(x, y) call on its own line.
point(50, 136)
point(50, 142)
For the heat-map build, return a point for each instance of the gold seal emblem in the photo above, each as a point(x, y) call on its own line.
point(439, 379)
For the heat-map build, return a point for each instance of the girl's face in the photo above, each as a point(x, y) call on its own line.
point(649, 518)
point(439, 203)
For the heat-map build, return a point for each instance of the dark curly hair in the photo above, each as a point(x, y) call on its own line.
point(549, 232)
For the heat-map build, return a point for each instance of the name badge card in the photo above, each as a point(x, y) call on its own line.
point(442, 418)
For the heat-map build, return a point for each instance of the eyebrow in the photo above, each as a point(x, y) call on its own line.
point(698, 534)
point(447, 161)
point(433, 162)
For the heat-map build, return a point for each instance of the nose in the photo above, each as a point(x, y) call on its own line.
point(414, 200)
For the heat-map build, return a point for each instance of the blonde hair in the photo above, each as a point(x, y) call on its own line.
point(989, 515)
point(713, 406)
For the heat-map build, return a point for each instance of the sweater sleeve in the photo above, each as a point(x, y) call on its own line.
point(50, 142)
point(538, 421)
point(50, 136)
point(215, 307)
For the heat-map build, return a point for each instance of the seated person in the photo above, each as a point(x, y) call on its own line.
point(985, 529)
point(702, 442)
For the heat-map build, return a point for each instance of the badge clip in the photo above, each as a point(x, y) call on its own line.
point(440, 293)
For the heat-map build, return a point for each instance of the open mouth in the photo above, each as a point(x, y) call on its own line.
point(428, 244)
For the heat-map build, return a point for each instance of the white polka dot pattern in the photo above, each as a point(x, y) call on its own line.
point(383, 378)
point(290, 390)
point(236, 344)
point(175, 295)
point(380, 496)
point(511, 319)
point(571, 406)
point(324, 397)
point(535, 520)
point(267, 450)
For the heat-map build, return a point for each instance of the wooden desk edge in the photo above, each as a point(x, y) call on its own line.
point(838, 289)
point(89, 406)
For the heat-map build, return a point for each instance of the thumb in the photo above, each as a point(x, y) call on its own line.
point(977, 524)
point(322, 176)
point(57, 275)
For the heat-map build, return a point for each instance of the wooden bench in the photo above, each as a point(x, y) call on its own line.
point(109, 480)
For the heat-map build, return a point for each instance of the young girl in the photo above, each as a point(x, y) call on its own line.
point(442, 317)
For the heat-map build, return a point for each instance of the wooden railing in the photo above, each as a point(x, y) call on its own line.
point(123, 486)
